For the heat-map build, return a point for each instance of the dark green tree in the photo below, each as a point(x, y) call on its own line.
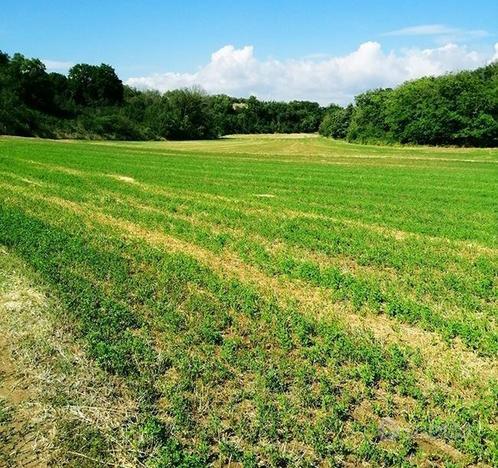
point(93, 85)
point(185, 114)
point(336, 122)
point(31, 83)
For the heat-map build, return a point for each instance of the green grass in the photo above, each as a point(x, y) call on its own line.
point(274, 300)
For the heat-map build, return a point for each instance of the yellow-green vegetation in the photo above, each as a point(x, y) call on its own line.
point(276, 301)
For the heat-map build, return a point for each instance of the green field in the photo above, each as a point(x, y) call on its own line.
point(262, 301)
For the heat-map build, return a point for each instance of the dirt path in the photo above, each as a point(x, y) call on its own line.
point(18, 445)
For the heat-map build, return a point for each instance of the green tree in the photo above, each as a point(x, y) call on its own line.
point(336, 122)
point(31, 82)
point(368, 120)
point(185, 114)
point(93, 85)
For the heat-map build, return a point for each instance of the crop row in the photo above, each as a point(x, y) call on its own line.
point(209, 356)
point(472, 320)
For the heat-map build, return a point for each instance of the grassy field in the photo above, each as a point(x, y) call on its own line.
point(277, 301)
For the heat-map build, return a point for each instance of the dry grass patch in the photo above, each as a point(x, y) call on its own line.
point(59, 406)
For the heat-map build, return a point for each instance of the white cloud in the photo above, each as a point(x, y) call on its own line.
point(438, 30)
point(332, 79)
point(494, 58)
point(57, 66)
point(422, 30)
point(440, 34)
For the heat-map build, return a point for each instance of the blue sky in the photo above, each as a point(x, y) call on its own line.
point(148, 40)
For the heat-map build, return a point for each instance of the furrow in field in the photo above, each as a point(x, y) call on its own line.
point(271, 245)
point(211, 215)
point(203, 220)
point(213, 211)
point(257, 268)
point(258, 208)
point(450, 363)
point(213, 223)
point(469, 249)
point(276, 250)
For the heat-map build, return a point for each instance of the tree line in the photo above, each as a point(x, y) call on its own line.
point(92, 102)
point(454, 109)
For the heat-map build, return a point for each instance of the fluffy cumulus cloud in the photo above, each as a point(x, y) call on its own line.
point(238, 72)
